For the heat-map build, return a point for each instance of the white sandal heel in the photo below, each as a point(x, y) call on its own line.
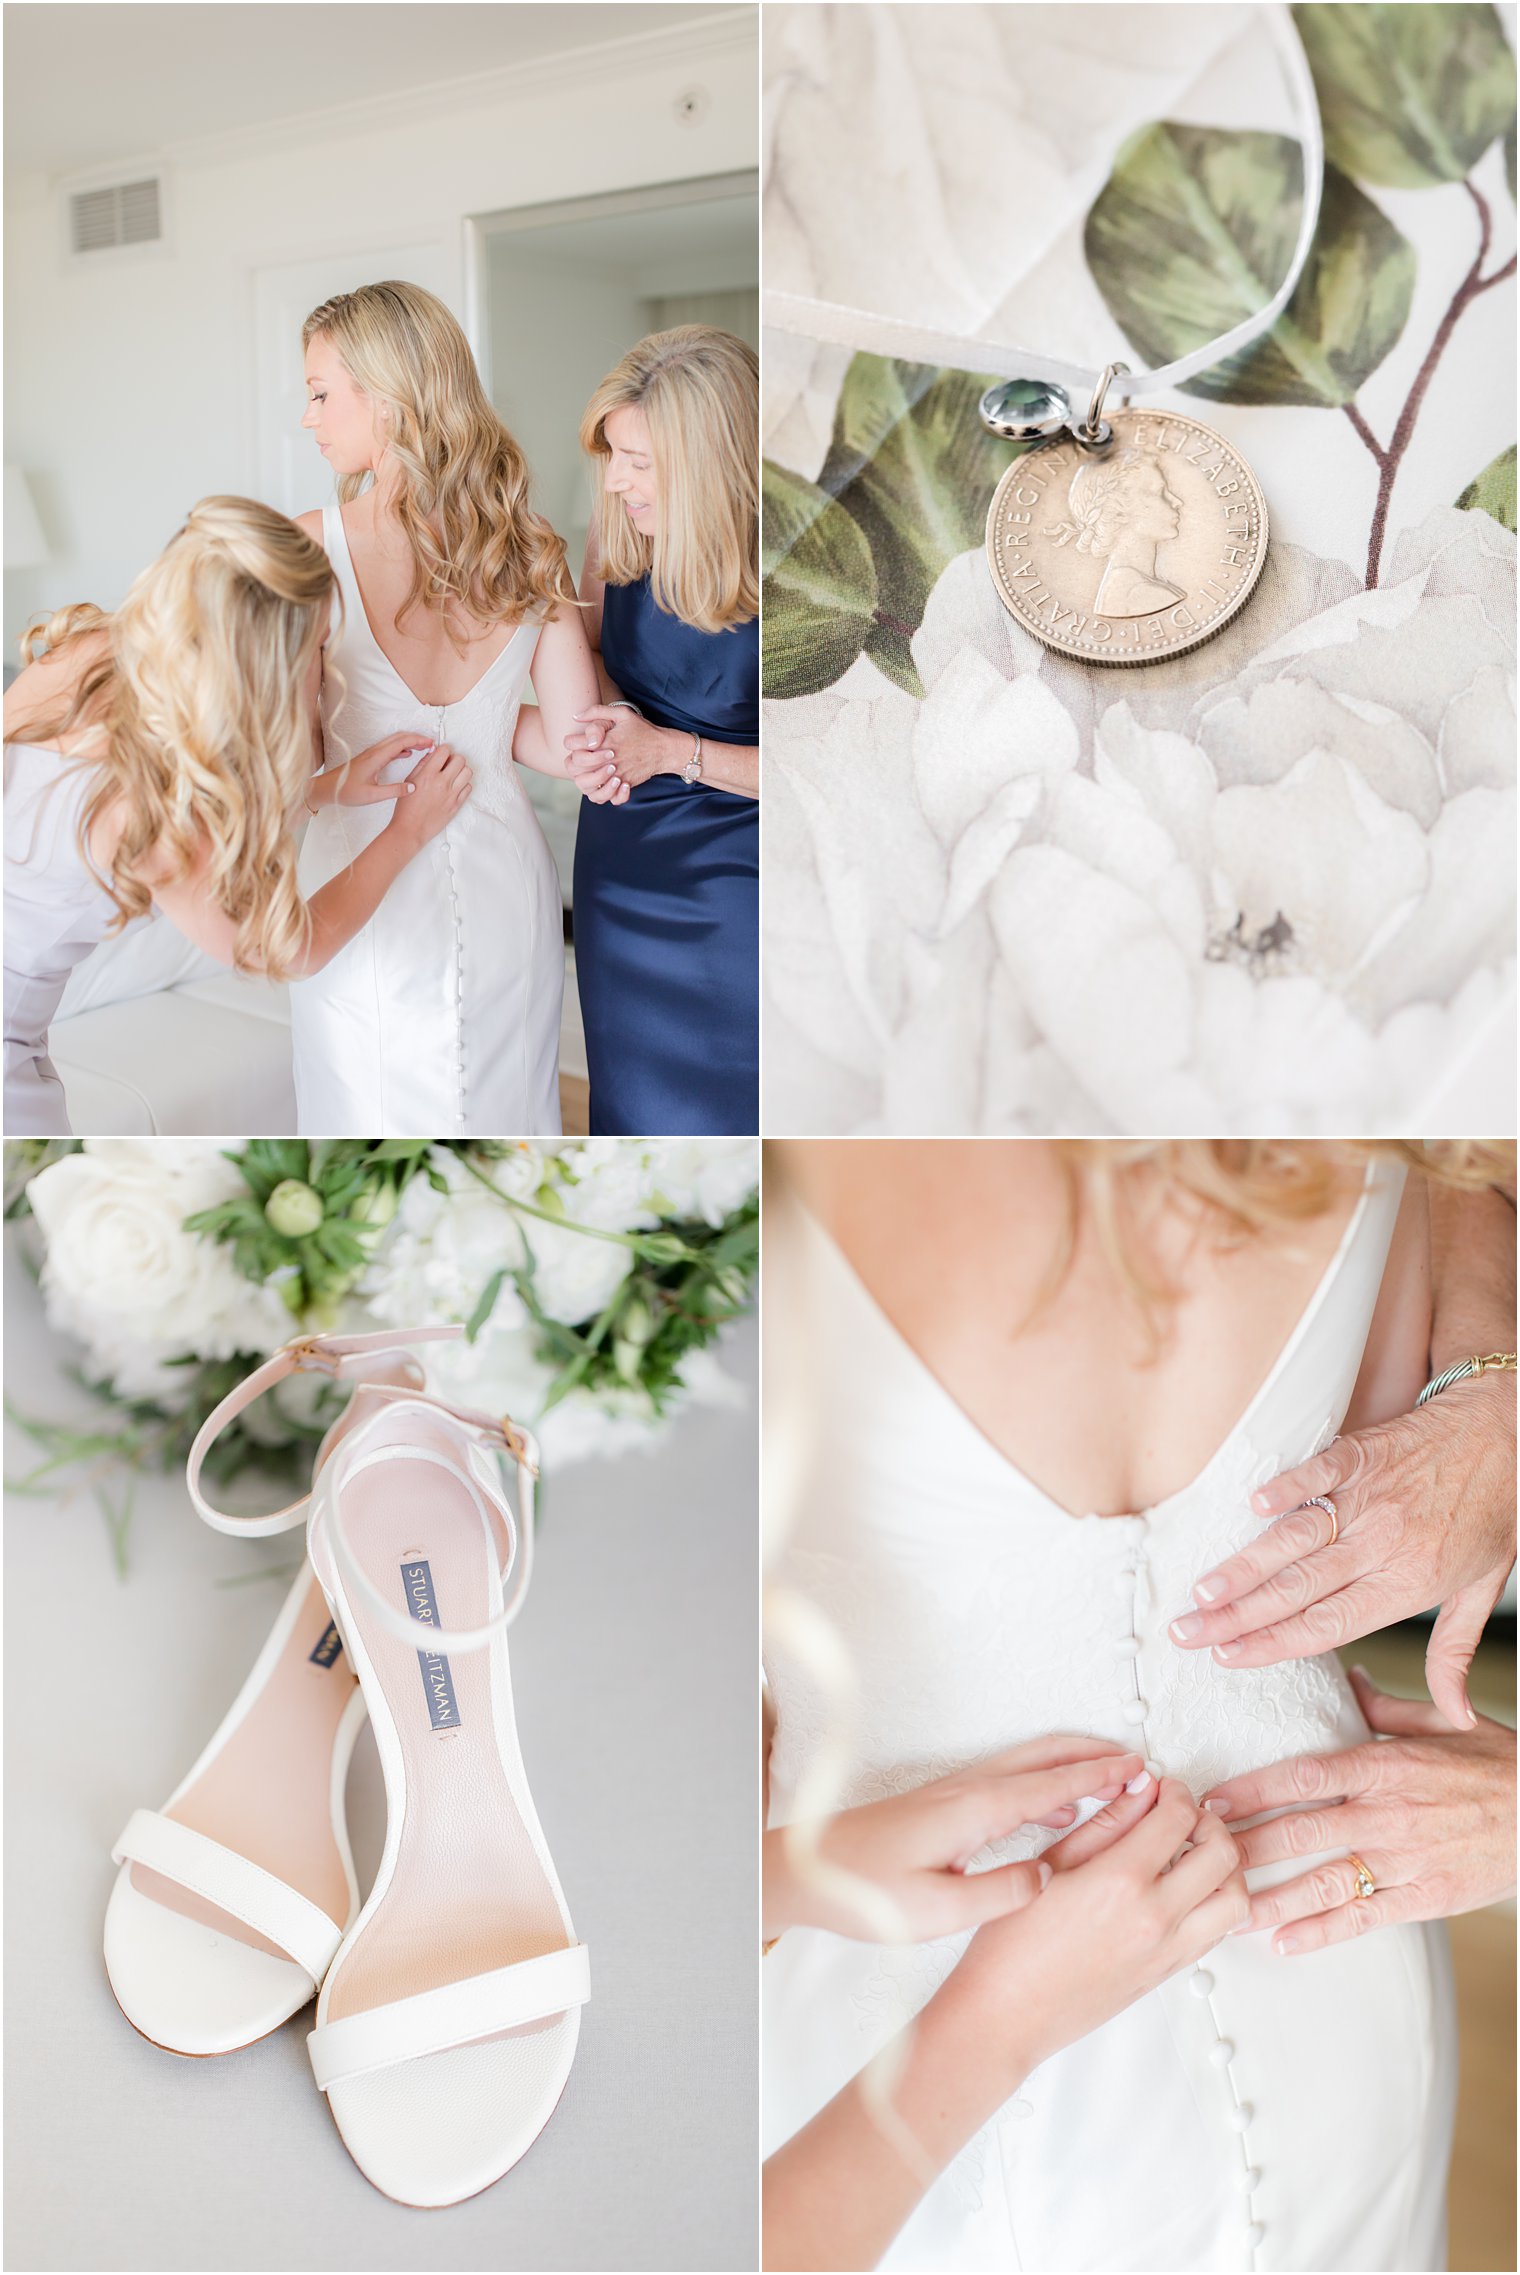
point(233, 1897)
point(449, 2018)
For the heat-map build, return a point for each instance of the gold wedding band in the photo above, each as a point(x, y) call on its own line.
point(1323, 1501)
point(1365, 1884)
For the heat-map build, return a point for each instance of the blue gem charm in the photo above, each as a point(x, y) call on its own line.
point(1025, 410)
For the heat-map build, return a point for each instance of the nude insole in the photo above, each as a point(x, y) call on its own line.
point(468, 1893)
point(267, 1792)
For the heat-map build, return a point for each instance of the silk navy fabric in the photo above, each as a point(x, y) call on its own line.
point(667, 894)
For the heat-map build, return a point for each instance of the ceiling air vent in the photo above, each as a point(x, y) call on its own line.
point(124, 213)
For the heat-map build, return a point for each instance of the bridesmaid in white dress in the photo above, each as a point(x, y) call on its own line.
point(155, 759)
point(443, 1019)
point(1254, 2111)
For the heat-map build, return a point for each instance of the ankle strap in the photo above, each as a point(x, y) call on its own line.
point(484, 1434)
point(342, 1358)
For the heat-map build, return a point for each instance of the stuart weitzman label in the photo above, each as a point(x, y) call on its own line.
point(329, 1647)
point(443, 1708)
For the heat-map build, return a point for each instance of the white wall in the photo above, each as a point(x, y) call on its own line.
point(131, 385)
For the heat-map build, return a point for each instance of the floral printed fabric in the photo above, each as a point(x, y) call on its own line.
point(1270, 885)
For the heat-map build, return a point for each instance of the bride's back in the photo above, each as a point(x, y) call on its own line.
point(1106, 1402)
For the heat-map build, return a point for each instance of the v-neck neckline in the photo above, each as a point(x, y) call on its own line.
point(420, 700)
point(968, 1422)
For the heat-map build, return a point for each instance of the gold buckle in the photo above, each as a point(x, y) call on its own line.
point(307, 1356)
point(1502, 1359)
point(517, 1445)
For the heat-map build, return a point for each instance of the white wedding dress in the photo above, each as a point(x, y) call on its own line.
point(1255, 2112)
point(441, 1018)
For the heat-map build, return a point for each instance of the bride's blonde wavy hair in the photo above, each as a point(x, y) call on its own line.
point(699, 390)
point(198, 717)
point(1242, 1187)
point(479, 550)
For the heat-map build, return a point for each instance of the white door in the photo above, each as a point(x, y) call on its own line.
point(291, 473)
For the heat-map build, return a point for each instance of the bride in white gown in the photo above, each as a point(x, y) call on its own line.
point(1256, 2111)
point(442, 1017)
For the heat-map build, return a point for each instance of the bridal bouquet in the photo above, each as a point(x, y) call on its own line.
point(592, 1278)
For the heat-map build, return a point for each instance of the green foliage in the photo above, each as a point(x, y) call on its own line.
point(686, 1281)
point(1493, 491)
point(1411, 96)
point(139, 1436)
point(357, 1183)
point(1194, 230)
point(820, 585)
point(910, 472)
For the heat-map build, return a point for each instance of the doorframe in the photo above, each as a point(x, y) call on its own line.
point(649, 197)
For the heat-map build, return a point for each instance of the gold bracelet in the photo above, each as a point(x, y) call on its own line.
point(1496, 1362)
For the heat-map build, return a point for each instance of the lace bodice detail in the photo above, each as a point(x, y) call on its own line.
point(973, 1614)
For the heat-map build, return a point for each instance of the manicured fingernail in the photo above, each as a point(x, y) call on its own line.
point(1046, 1875)
point(1219, 1807)
point(1227, 1651)
point(1207, 1589)
point(1184, 1629)
point(1285, 1944)
point(1360, 1670)
point(411, 786)
point(1262, 1501)
point(1139, 1784)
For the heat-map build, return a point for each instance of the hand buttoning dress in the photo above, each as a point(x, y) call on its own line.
point(441, 1017)
point(1255, 2112)
point(667, 894)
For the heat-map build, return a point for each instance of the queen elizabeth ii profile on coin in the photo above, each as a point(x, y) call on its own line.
point(1121, 512)
point(1133, 551)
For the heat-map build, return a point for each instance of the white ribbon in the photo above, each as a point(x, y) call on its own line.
point(834, 325)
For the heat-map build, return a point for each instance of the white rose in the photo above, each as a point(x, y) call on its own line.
point(123, 1274)
point(702, 1180)
point(441, 1249)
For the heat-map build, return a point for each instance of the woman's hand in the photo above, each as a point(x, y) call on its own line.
point(435, 790)
point(894, 1871)
point(1112, 1922)
point(1429, 1811)
point(1425, 1506)
point(1145, 1888)
point(595, 775)
point(357, 783)
point(611, 737)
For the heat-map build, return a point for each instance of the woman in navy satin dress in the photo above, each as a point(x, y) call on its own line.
point(667, 847)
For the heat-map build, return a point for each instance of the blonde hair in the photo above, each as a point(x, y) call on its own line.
point(200, 719)
point(699, 389)
point(478, 548)
point(1241, 1188)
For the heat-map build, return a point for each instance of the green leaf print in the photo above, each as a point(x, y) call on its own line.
point(916, 468)
point(1194, 230)
point(1494, 490)
point(1410, 95)
point(820, 588)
